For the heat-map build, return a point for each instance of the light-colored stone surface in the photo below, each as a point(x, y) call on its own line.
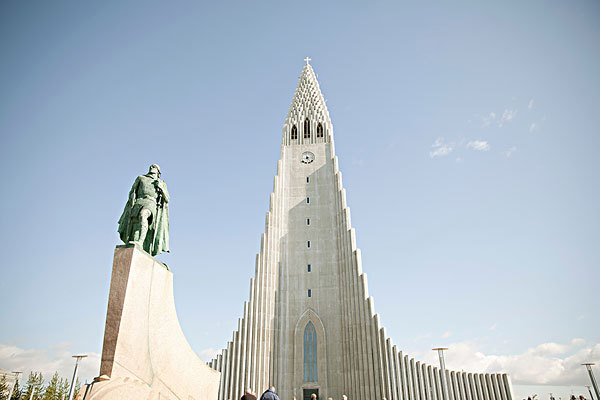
point(145, 353)
point(355, 356)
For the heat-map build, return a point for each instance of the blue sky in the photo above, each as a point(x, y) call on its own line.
point(467, 134)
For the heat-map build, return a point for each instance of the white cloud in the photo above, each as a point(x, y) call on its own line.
point(208, 354)
point(493, 327)
point(507, 116)
point(440, 148)
point(530, 105)
point(532, 127)
point(487, 120)
point(446, 335)
point(479, 145)
point(510, 151)
point(548, 363)
point(48, 361)
point(459, 159)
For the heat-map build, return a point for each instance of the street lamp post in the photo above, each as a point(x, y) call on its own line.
point(440, 351)
point(592, 378)
point(72, 389)
point(589, 390)
point(14, 383)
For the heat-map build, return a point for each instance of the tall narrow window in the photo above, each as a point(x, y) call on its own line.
point(309, 293)
point(307, 200)
point(308, 267)
point(306, 128)
point(308, 244)
point(310, 352)
point(294, 132)
point(307, 179)
point(319, 130)
point(307, 221)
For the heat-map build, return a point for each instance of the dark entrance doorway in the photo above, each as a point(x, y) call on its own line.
point(307, 392)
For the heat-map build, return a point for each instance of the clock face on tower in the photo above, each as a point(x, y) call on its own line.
point(308, 157)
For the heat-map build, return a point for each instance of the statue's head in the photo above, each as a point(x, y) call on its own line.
point(156, 168)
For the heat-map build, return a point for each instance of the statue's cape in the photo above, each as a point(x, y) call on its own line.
point(157, 238)
point(161, 227)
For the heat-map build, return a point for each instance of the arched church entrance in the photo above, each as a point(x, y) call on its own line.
point(310, 356)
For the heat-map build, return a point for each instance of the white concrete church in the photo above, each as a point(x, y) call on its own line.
point(309, 325)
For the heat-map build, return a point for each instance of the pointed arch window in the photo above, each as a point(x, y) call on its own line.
point(320, 130)
point(306, 128)
point(310, 353)
point(294, 132)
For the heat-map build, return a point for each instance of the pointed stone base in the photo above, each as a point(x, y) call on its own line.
point(145, 353)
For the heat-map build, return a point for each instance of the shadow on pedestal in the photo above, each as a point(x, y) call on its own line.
point(145, 354)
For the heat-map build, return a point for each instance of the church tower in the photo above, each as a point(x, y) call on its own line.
point(309, 325)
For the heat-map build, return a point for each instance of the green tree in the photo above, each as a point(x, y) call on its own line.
point(77, 388)
point(17, 393)
point(63, 389)
point(4, 388)
point(34, 384)
point(52, 388)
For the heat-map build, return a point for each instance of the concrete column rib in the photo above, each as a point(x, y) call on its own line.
point(351, 339)
point(496, 386)
point(484, 388)
point(437, 388)
point(461, 386)
point(501, 388)
point(408, 373)
point(381, 358)
point(449, 386)
point(426, 391)
point(235, 361)
point(403, 381)
point(414, 381)
point(477, 384)
point(344, 233)
point(344, 300)
point(455, 388)
point(385, 362)
point(507, 386)
point(397, 380)
point(431, 383)
point(422, 388)
point(489, 388)
point(230, 354)
point(355, 263)
point(366, 317)
point(243, 349)
point(223, 375)
point(470, 388)
point(391, 369)
point(376, 363)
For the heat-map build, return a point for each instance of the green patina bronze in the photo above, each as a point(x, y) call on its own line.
point(145, 219)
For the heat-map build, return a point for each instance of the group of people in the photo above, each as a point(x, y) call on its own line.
point(270, 394)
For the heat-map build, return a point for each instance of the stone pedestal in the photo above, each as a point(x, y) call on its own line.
point(145, 353)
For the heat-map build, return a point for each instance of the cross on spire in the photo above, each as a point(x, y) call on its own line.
point(307, 60)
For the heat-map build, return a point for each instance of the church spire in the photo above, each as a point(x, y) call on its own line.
point(307, 120)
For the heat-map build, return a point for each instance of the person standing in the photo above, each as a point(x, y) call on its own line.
point(269, 394)
point(248, 395)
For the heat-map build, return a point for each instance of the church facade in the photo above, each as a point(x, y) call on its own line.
point(309, 325)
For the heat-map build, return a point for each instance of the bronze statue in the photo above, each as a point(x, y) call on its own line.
point(145, 219)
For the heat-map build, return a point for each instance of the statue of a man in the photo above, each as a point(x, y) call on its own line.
point(145, 219)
